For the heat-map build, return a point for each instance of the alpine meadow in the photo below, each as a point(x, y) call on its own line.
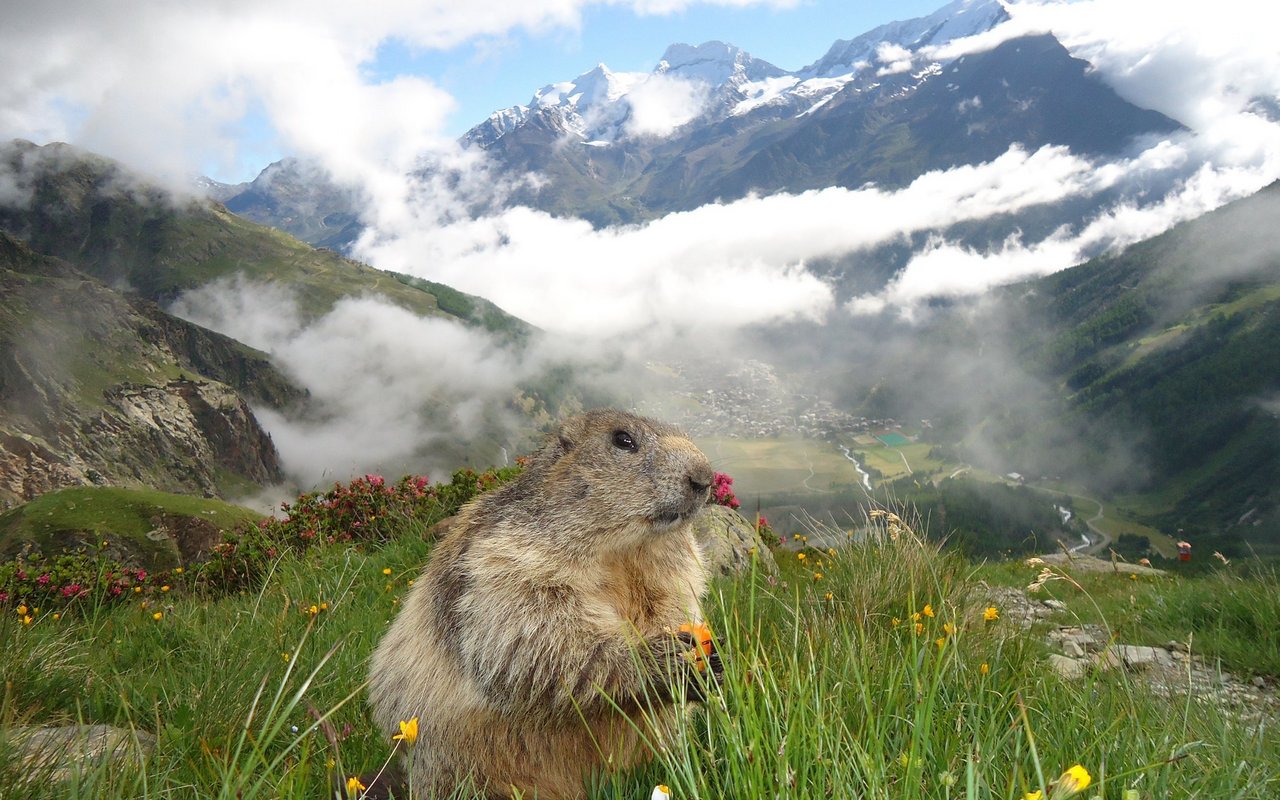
point(942, 345)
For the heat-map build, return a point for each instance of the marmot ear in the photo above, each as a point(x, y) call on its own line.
point(568, 434)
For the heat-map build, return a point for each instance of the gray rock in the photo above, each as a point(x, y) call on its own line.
point(729, 542)
point(53, 754)
point(1068, 668)
point(1056, 605)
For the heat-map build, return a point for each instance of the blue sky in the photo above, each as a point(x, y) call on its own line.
point(484, 75)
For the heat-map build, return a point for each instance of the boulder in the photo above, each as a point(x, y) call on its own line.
point(730, 542)
point(1069, 668)
point(53, 754)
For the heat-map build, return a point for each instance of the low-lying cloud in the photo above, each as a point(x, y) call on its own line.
point(389, 390)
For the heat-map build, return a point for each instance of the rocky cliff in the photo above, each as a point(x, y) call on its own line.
point(97, 388)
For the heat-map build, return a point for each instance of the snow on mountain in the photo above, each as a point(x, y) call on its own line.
point(716, 80)
point(953, 21)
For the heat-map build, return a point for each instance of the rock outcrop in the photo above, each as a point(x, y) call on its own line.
point(97, 388)
point(730, 543)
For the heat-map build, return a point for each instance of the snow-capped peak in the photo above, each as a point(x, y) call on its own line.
point(719, 80)
point(715, 64)
point(953, 21)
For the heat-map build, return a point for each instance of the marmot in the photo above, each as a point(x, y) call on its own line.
point(541, 642)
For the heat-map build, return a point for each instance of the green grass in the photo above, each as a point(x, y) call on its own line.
point(123, 517)
point(782, 464)
point(823, 697)
point(1228, 613)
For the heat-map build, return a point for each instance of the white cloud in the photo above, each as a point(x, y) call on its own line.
point(167, 86)
point(945, 269)
point(894, 58)
point(721, 265)
point(1196, 62)
point(661, 103)
point(386, 387)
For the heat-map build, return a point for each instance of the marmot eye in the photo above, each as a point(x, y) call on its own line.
point(623, 441)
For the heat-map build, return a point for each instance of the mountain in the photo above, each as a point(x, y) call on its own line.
point(791, 132)
point(1148, 377)
point(1175, 345)
point(131, 234)
point(98, 384)
point(713, 123)
point(299, 199)
point(100, 388)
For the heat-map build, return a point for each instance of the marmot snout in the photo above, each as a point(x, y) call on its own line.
point(543, 641)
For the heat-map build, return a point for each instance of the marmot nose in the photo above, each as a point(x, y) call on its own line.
point(700, 480)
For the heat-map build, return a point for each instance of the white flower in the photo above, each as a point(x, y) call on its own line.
point(661, 792)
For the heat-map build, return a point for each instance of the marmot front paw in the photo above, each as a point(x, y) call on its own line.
point(701, 656)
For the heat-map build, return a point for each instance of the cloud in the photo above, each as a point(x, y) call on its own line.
point(894, 57)
point(661, 103)
point(169, 86)
point(1203, 173)
point(389, 390)
point(1195, 62)
point(721, 265)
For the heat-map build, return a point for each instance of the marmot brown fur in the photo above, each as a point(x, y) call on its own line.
point(541, 642)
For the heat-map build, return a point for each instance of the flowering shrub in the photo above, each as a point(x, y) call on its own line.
point(722, 491)
point(766, 532)
point(367, 509)
point(60, 581)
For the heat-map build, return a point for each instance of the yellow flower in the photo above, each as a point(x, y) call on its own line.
point(829, 596)
point(992, 613)
point(831, 551)
point(985, 669)
point(948, 628)
point(408, 731)
point(177, 570)
point(817, 576)
point(1036, 795)
point(57, 615)
point(1076, 779)
point(800, 556)
point(354, 786)
point(164, 588)
point(1132, 577)
point(313, 610)
point(919, 628)
point(940, 642)
point(26, 620)
point(928, 611)
point(137, 590)
point(895, 622)
point(915, 617)
point(386, 571)
point(324, 606)
point(22, 610)
point(157, 615)
point(411, 579)
point(284, 657)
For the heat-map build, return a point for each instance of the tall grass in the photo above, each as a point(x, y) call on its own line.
point(824, 694)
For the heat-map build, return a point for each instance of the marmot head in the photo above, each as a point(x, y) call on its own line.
point(626, 471)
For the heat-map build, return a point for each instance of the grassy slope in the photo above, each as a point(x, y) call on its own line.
point(94, 213)
point(823, 697)
point(1173, 344)
point(123, 517)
